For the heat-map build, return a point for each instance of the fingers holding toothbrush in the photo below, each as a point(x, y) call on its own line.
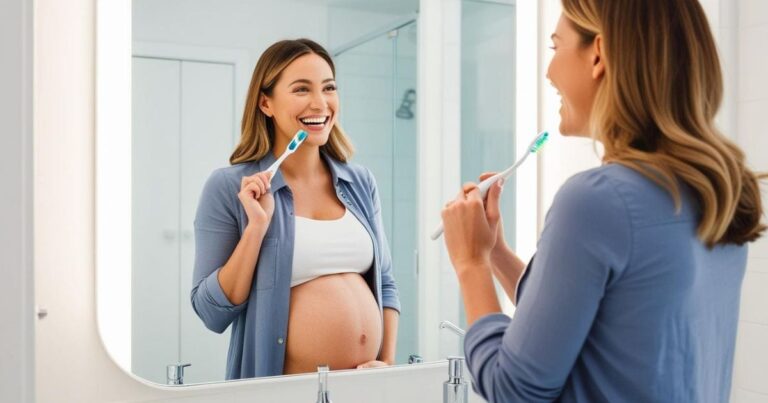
point(256, 199)
point(492, 211)
point(469, 236)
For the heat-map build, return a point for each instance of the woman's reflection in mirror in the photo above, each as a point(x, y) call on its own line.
point(298, 264)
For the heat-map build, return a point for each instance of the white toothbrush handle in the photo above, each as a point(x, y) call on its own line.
point(275, 165)
point(438, 232)
point(483, 187)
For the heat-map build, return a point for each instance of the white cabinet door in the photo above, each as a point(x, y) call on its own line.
point(155, 241)
point(207, 124)
point(183, 125)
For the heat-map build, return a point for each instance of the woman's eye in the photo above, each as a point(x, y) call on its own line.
point(330, 88)
point(301, 89)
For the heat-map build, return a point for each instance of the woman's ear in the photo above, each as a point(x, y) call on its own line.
point(598, 65)
point(265, 105)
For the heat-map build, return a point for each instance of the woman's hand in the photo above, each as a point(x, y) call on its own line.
point(495, 220)
point(257, 201)
point(471, 229)
point(373, 364)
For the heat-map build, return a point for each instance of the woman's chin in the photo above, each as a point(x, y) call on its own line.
point(569, 131)
point(317, 139)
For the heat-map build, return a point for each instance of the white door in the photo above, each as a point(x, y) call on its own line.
point(207, 123)
point(183, 120)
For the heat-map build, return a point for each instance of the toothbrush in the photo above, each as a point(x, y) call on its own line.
point(483, 186)
point(292, 146)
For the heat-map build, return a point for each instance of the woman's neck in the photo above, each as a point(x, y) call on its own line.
point(303, 163)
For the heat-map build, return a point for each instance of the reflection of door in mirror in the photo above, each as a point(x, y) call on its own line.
point(183, 119)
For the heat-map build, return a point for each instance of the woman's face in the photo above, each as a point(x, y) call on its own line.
point(305, 98)
point(575, 71)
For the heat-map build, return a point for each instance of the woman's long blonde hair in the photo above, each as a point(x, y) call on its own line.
point(257, 133)
point(655, 108)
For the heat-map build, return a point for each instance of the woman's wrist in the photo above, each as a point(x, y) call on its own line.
point(255, 231)
point(473, 266)
point(500, 250)
point(478, 291)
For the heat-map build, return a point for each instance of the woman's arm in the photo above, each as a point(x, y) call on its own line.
point(388, 345)
point(505, 265)
point(585, 242)
point(472, 232)
point(224, 260)
point(236, 276)
point(507, 268)
point(478, 291)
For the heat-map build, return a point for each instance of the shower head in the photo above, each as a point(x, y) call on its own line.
point(404, 111)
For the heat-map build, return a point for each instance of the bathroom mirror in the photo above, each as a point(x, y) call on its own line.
point(192, 64)
point(190, 67)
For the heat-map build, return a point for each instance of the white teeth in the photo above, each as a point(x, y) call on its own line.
point(313, 120)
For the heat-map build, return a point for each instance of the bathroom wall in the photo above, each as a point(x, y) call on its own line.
point(16, 304)
point(750, 29)
point(251, 25)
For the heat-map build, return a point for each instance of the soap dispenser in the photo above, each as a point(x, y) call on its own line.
point(455, 388)
point(322, 387)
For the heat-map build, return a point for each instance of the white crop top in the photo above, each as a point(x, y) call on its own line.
point(323, 247)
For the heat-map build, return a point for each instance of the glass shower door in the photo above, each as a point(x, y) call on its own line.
point(377, 89)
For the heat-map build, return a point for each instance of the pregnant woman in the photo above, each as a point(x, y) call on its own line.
point(297, 263)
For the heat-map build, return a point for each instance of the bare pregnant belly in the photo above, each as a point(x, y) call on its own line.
point(333, 320)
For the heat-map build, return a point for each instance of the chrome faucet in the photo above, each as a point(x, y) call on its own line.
point(450, 326)
point(174, 374)
point(455, 389)
point(322, 387)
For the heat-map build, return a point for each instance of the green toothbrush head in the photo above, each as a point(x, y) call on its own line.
point(539, 142)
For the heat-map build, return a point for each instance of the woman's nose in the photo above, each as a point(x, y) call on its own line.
point(317, 101)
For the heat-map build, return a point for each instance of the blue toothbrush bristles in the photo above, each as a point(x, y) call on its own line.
point(297, 140)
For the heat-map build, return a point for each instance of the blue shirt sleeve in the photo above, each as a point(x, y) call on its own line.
point(216, 236)
point(585, 244)
point(389, 295)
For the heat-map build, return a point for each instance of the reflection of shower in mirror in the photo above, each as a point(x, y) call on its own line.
point(404, 111)
point(411, 33)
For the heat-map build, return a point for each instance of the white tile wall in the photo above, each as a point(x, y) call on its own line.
point(752, 356)
point(751, 364)
point(753, 12)
point(751, 123)
point(758, 264)
point(741, 395)
point(752, 301)
point(752, 62)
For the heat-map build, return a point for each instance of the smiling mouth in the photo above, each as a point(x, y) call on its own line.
point(315, 121)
